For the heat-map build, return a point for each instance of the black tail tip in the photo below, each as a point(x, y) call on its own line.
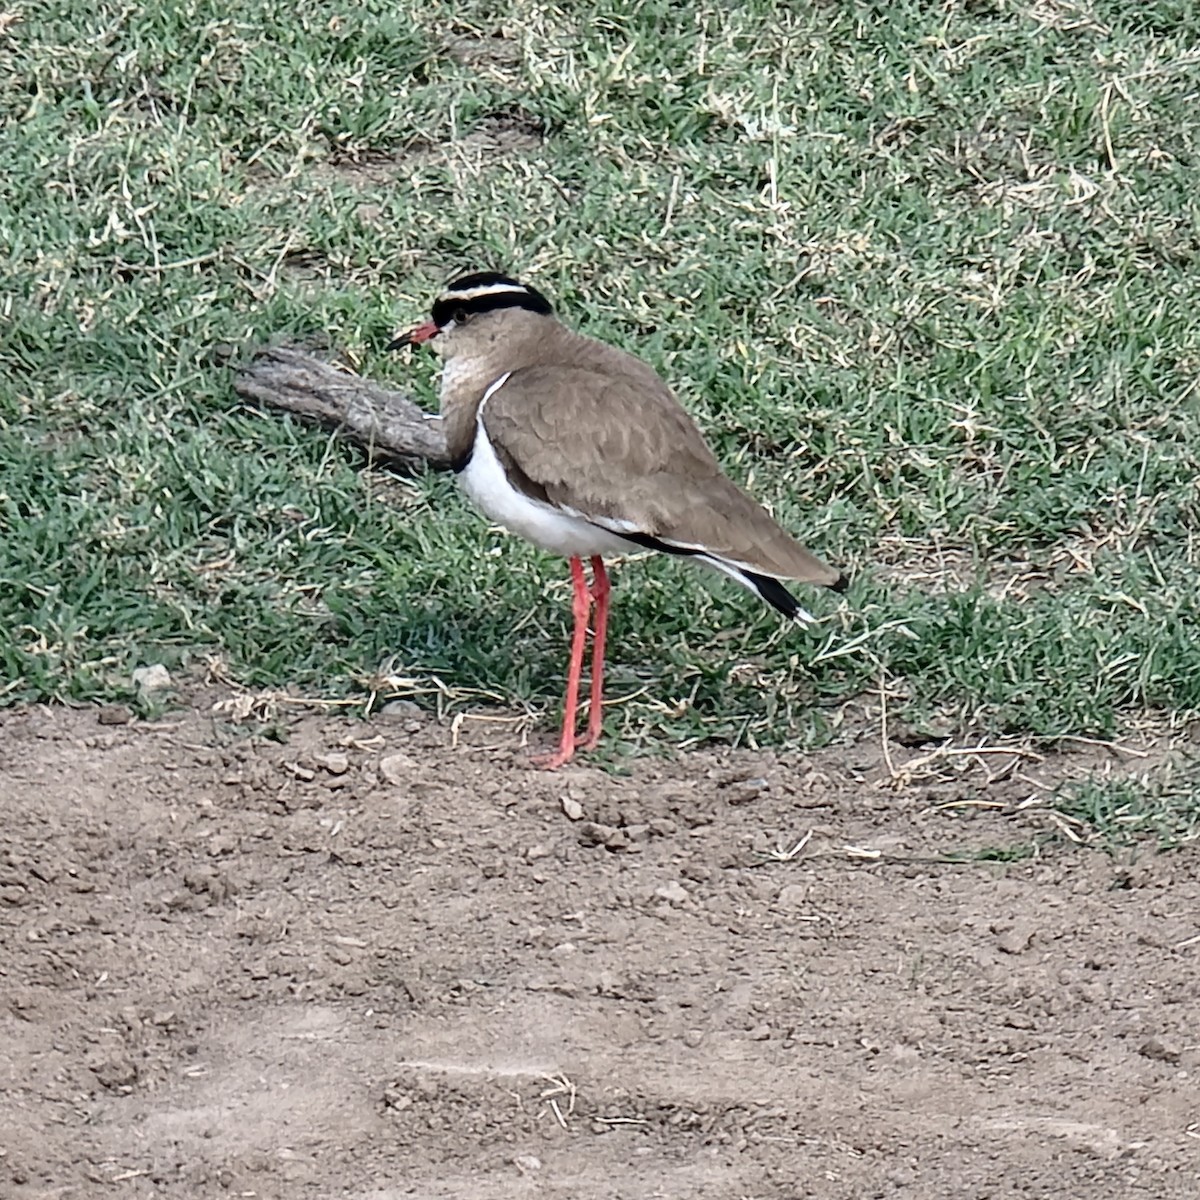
point(776, 595)
point(841, 583)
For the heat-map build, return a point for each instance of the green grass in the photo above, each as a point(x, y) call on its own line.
point(1162, 805)
point(928, 275)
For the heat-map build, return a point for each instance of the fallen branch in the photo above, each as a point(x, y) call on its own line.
point(387, 423)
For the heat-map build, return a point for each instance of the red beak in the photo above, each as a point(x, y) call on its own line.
point(414, 337)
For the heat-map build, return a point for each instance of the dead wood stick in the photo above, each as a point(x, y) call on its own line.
point(387, 423)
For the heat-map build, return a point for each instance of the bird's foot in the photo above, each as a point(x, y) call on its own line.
point(554, 760)
point(590, 742)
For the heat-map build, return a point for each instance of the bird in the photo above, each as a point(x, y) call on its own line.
point(583, 450)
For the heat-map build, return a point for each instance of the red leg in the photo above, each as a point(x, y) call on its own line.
point(600, 590)
point(580, 604)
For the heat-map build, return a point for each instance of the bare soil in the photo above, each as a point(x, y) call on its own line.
point(368, 963)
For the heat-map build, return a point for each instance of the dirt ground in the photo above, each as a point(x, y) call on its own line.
point(367, 963)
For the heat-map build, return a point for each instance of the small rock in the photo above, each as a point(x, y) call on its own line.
point(592, 833)
point(130, 1017)
point(1014, 1019)
point(400, 709)
point(760, 1033)
point(663, 827)
point(572, 808)
point(792, 895)
point(746, 791)
point(115, 1073)
point(397, 768)
point(673, 893)
point(693, 1038)
point(637, 833)
point(152, 678)
point(114, 714)
point(1015, 940)
point(13, 894)
point(609, 983)
point(335, 764)
point(541, 850)
point(527, 1164)
point(354, 985)
point(1160, 1050)
point(901, 1178)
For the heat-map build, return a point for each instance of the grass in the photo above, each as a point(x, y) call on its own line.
point(926, 273)
point(1161, 805)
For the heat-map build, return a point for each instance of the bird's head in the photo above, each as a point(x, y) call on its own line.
point(474, 312)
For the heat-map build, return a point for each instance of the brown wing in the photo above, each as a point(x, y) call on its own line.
point(615, 447)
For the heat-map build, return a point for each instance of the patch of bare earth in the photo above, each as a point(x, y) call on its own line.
point(365, 964)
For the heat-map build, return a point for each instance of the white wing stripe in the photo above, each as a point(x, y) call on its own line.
point(613, 524)
point(491, 389)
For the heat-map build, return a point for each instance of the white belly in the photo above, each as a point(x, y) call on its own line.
point(551, 528)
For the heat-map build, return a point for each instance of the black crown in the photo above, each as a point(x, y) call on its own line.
point(452, 302)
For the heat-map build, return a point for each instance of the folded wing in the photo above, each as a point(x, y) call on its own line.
point(614, 446)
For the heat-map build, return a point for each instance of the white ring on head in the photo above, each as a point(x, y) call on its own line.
point(490, 289)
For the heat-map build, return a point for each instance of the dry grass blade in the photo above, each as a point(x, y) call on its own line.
point(560, 1087)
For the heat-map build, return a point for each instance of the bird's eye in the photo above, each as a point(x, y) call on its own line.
point(460, 316)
